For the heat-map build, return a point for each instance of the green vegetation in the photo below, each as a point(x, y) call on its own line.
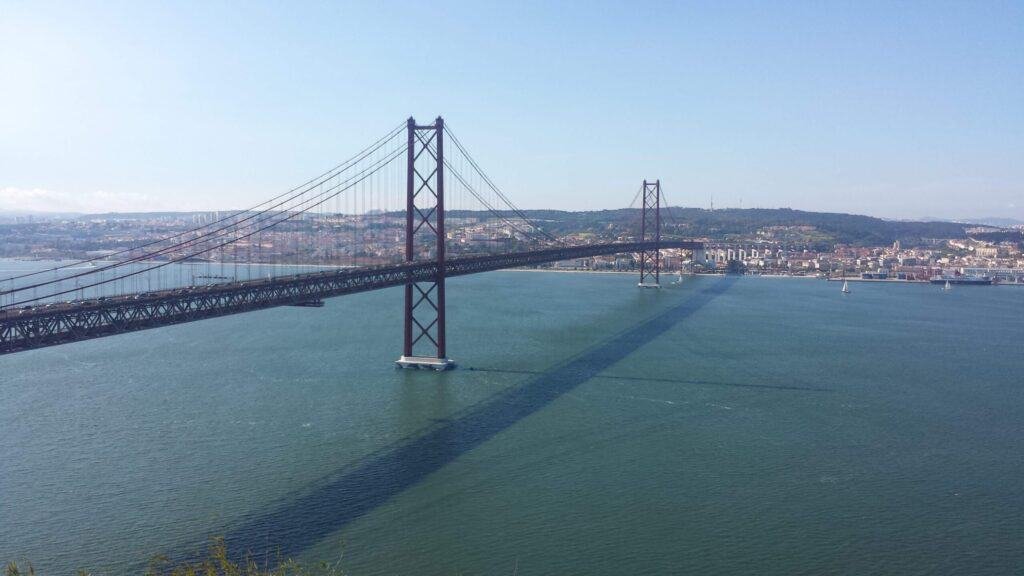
point(217, 562)
point(735, 267)
point(814, 229)
point(1015, 236)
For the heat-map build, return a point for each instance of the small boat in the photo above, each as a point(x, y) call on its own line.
point(947, 286)
point(846, 287)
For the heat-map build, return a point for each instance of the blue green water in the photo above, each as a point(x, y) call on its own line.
point(726, 426)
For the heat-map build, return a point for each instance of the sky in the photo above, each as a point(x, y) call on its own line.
point(892, 109)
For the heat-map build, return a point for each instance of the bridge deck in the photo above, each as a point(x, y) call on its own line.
point(59, 323)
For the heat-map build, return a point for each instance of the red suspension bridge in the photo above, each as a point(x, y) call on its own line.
point(363, 225)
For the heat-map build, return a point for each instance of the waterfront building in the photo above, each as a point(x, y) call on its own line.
point(1011, 275)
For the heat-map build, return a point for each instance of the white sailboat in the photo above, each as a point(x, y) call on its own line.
point(947, 286)
point(846, 287)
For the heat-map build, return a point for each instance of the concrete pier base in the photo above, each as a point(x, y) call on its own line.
point(425, 363)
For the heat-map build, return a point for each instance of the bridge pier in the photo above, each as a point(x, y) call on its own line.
point(425, 301)
point(650, 222)
point(425, 363)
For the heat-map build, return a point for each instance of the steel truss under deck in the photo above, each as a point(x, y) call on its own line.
point(62, 323)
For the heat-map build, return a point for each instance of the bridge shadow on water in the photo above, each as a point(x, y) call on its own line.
point(673, 381)
point(363, 486)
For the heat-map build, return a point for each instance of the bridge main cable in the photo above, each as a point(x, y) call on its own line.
point(494, 187)
point(491, 208)
point(289, 215)
point(296, 191)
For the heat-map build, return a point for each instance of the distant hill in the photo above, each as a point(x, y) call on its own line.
point(12, 216)
point(815, 229)
point(147, 215)
point(1016, 236)
point(724, 224)
point(996, 221)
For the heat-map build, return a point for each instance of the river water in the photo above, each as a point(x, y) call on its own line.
point(725, 425)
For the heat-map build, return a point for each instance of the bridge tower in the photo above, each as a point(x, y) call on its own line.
point(650, 229)
point(425, 237)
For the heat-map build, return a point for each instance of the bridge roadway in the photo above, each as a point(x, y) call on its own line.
point(60, 323)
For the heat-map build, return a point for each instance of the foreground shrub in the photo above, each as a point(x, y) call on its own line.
point(216, 562)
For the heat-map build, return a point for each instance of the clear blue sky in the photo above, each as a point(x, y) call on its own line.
point(895, 109)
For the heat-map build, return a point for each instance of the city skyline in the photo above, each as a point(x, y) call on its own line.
point(901, 112)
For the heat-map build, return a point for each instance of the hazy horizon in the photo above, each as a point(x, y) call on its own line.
point(976, 220)
point(895, 111)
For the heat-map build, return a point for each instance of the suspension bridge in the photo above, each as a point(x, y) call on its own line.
point(411, 209)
